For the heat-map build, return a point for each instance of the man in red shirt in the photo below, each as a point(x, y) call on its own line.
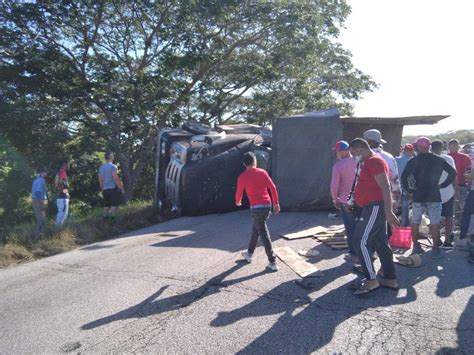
point(256, 183)
point(373, 195)
point(463, 164)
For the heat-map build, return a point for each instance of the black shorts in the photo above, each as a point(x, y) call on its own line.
point(112, 197)
point(448, 208)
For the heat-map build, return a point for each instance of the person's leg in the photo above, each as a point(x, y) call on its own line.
point(380, 243)
point(262, 215)
point(254, 235)
point(39, 209)
point(405, 222)
point(434, 213)
point(369, 225)
point(447, 212)
point(466, 216)
point(61, 206)
point(417, 209)
point(115, 200)
point(349, 225)
point(66, 210)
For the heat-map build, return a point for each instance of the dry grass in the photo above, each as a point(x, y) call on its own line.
point(19, 247)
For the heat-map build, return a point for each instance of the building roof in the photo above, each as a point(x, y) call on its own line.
point(410, 120)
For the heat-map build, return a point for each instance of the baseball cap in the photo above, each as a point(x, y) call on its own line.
point(423, 142)
point(374, 135)
point(409, 147)
point(341, 145)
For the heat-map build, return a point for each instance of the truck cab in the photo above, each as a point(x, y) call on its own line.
point(197, 167)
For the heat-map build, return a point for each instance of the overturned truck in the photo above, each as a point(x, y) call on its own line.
point(197, 167)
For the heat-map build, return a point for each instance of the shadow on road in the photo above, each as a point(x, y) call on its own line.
point(465, 331)
point(311, 325)
point(153, 305)
point(97, 247)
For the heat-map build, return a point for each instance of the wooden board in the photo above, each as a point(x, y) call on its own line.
point(339, 247)
point(297, 263)
point(307, 233)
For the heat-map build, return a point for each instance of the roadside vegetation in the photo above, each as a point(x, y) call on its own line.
point(464, 136)
point(16, 244)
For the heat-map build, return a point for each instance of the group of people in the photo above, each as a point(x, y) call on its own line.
point(371, 187)
point(109, 182)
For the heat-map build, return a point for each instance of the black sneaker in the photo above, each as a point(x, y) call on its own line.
point(447, 245)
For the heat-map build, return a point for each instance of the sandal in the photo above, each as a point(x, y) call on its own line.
point(365, 288)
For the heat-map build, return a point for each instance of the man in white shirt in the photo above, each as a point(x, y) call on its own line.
point(447, 196)
point(375, 140)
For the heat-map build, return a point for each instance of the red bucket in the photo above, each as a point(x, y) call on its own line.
point(401, 238)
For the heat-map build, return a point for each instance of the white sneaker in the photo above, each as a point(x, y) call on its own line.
point(272, 266)
point(247, 256)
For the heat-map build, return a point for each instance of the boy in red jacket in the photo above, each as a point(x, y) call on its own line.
point(256, 183)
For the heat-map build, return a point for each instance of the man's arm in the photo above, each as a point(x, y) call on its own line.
point(382, 181)
point(451, 175)
point(406, 172)
point(335, 181)
point(239, 193)
point(274, 194)
point(118, 181)
point(101, 182)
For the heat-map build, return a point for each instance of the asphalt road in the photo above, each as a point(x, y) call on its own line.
point(179, 287)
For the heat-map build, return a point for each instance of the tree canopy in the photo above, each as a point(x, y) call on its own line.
point(87, 76)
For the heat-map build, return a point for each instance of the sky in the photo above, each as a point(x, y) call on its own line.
point(421, 53)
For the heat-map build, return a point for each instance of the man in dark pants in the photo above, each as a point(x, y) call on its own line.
point(256, 183)
point(373, 195)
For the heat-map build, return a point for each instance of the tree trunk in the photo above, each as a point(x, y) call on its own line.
point(127, 180)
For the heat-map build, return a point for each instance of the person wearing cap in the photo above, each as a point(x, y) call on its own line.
point(373, 196)
point(375, 140)
point(39, 197)
point(463, 164)
point(425, 171)
point(343, 175)
point(447, 195)
point(408, 152)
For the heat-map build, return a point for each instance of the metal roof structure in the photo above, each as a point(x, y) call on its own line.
point(409, 120)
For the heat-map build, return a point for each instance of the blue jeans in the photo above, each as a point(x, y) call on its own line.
point(466, 215)
point(349, 224)
point(405, 201)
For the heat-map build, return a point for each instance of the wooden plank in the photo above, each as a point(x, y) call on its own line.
point(296, 262)
point(339, 247)
point(307, 233)
point(336, 242)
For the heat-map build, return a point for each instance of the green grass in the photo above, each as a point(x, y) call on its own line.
point(17, 245)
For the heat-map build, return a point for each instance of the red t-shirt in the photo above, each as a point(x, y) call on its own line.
point(463, 163)
point(367, 190)
point(256, 183)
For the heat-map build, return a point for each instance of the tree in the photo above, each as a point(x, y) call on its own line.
point(118, 71)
